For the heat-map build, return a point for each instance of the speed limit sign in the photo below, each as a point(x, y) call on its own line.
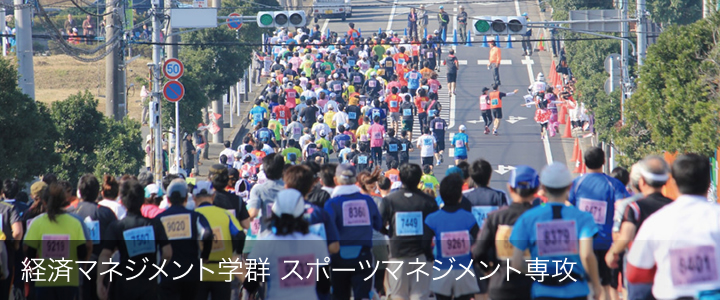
point(173, 69)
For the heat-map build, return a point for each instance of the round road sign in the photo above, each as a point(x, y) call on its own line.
point(235, 22)
point(173, 69)
point(173, 91)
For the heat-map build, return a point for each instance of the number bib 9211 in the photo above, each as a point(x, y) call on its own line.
point(557, 237)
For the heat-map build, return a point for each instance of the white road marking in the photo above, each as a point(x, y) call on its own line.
point(452, 111)
point(451, 153)
point(324, 27)
point(392, 14)
point(546, 141)
point(486, 3)
point(529, 62)
point(517, 8)
point(462, 62)
point(484, 62)
point(502, 169)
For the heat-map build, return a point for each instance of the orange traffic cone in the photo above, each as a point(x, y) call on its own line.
point(562, 114)
point(541, 47)
point(576, 149)
point(579, 164)
point(568, 131)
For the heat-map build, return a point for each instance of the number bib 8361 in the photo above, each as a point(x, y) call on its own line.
point(356, 213)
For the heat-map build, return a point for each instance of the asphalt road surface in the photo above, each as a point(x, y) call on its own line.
point(519, 140)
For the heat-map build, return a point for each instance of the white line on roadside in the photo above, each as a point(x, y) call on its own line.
point(392, 14)
point(546, 141)
point(517, 7)
point(452, 111)
point(324, 27)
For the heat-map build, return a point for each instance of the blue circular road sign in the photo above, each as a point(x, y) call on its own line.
point(173, 91)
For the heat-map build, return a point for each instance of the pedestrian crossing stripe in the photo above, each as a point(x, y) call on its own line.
point(484, 62)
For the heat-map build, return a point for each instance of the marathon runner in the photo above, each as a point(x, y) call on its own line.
point(460, 143)
point(496, 105)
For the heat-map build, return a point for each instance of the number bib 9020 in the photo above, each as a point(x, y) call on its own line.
point(139, 240)
point(356, 213)
point(177, 226)
point(557, 237)
point(693, 265)
point(597, 208)
point(408, 223)
point(455, 243)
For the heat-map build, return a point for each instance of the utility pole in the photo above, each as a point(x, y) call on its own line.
point(2, 39)
point(641, 30)
point(171, 51)
point(217, 104)
point(23, 36)
point(112, 109)
point(157, 76)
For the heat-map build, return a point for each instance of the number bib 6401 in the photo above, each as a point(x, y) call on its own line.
point(693, 265)
point(557, 237)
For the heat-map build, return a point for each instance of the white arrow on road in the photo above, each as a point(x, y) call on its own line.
point(513, 119)
point(502, 169)
point(476, 121)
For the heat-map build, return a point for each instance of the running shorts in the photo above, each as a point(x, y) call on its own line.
point(497, 113)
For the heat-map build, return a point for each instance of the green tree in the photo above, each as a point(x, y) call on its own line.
point(28, 133)
point(119, 151)
point(674, 108)
point(672, 12)
point(80, 129)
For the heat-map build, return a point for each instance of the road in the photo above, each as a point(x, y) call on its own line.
point(519, 141)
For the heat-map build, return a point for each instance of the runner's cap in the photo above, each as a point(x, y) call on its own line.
point(203, 187)
point(462, 128)
point(289, 202)
point(556, 175)
point(345, 170)
point(153, 189)
point(524, 177)
point(179, 186)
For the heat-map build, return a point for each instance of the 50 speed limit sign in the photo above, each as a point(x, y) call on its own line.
point(173, 69)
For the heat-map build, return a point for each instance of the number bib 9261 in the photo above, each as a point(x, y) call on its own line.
point(356, 213)
point(455, 243)
point(557, 237)
point(408, 223)
point(693, 265)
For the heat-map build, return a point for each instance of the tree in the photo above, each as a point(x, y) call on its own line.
point(80, 129)
point(119, 150)
point(27, 133)
point(675, 12)
point(673, 108)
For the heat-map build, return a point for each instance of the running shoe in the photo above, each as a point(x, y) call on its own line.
point(487, 130)
point(495, 133)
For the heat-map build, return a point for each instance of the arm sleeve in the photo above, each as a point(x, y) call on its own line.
point(331, 232)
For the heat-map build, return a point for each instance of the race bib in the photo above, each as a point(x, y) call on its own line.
point(401, 61)
point(393, 104)
point(337, 87)
point(481, 213)
point(319, 230)
point(292, 95)
point(352, 115)
point(363, 160)
point(139, 240)
point(218, 241)
point(321, 79)
point(459, 143)
point(282, 121)
point(356, 213)
point(404, 147)
point(439, 125)
point(372, 83)
point(693, 265)
point(257, 116)
point(455, 243)
point(557, 237)
point(356, 79)
point(177, 226)
point(434, 87)
point(375, 113)
point(394, 177)
point(297, 130)
point(388, 64)
point(392, 147)
point(413, 75)
point(94, 228)
point(56, 246)
point(290, 279)
point(427, 142)
point(430, 54)
point(428, 185)
point(597, 208)
point(264, 134)
point(408, 223)
point(290, 77)
point(407, 112)
point(272, 127)
point(377, 135)
point(431, 112)
point(494, 102)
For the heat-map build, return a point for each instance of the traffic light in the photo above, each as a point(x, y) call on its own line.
point(154, 113)
point(295, 18)
point(499, 25)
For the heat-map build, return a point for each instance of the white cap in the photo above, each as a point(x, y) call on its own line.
point(336, 75)
point(330, 107)
point(556, 175)
point(462, 128)
point(289, 202)
point(203, 187)
point(285, 80)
